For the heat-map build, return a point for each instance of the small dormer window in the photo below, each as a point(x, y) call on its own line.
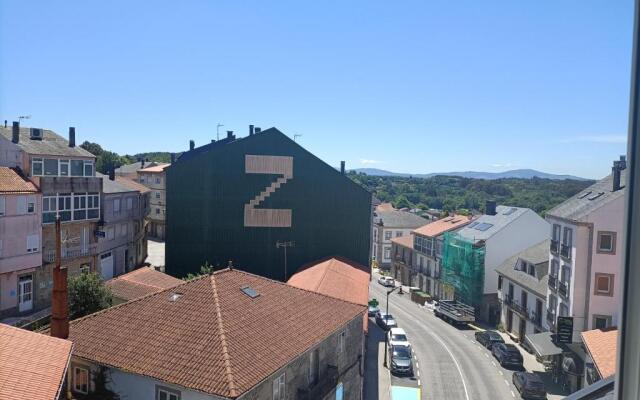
point(36, 133)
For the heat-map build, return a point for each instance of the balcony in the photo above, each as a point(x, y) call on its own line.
point(515, 306)
point(322, 387)
point(563, 289)
point(551, 319)
point(554, 246)
point(565, 251)
point(553, 281)
point(69, 253)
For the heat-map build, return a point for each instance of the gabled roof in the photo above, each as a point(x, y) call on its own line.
point(336, 277)
point(134, 167)
point(32, 365)
point(210, 334)
point(537, 255)
point(120, 185)
point(141, 282)
point(405, 241)
point(493, 223)
point(51, 143)
point(12, 181)
point(437, 228)
point(579, 206)
point(398, 219)
point(158, 168)
point(602, 345)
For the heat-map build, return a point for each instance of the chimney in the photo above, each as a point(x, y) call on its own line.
point(342, 167)
point(258, 130)
point(59, 300)
point(5, 123)
point(142, 163)
point(72, 136)
point(490, 207)
point(192, 145)
point(112, 174)
point(173, 158)
point(230, 135)
point(16, 132)
point(623, 162)
point(615, 171)
point(250, 130)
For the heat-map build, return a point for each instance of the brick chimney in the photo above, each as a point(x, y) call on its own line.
point(112, 174)
point(616, 171)
point(342, 163)
point(192, 145)
point(250, 130)
point(72, 136)
point(15, 130)
point(59, 299)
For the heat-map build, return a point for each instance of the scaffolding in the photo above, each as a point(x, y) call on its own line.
point(463, 268)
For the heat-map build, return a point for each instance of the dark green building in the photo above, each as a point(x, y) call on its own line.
point(235, 199)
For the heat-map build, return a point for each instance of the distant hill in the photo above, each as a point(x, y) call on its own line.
point(516, 173)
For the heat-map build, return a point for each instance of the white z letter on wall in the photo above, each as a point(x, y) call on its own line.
point(268, 217)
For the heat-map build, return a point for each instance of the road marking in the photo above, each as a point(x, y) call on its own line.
point(418, 372)
point(500, 372)
point(494, 363)
point(419, 383)
point(506, 382)
point(485, 354)
point(513, 394)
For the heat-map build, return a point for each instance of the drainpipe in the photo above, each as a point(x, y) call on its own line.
point(587, 297)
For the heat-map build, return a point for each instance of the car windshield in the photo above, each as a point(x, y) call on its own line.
point(401, 352)
point(494, 337)
point(388, 316)
point(399, 337)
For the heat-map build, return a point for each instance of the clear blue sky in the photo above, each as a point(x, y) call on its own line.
point(419, 86)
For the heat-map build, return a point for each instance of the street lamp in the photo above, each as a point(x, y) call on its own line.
point(386, 337)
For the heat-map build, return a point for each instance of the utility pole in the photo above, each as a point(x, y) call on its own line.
point(218, 130)
point(285, 245)
point(386, 336)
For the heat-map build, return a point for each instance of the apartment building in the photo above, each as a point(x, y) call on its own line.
point(154, 178)
point(122, 243)
point(65, 175)
point(20, 243)
point(585, 255)
point(131, 170)
point(472, 254)
point(389, 223)
point(522, 291)
point(249, 337)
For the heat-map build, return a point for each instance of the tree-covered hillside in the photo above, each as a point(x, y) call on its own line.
point(451, 193)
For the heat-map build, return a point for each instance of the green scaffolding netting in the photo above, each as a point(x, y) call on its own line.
point(463, 268)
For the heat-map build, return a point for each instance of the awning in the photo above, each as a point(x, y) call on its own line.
point(542, 343)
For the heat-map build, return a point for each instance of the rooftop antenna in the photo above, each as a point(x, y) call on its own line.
point(295, 137)
point(218, 130)
point(280, 244)
point(20, 118)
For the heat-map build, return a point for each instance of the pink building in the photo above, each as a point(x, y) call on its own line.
point(20, 243)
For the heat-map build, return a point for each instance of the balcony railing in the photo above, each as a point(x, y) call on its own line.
point(554, 246)
point(565, 251)
point(551, 319)
point(322, 387)
point(515, 306)
point(563, 289)
point(68, 253)
point(553, 280)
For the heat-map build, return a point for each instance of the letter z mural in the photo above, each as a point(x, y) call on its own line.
point(268, 217)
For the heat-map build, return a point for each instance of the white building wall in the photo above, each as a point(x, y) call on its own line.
point(531, 305)
point(131, 386)
point(527, 230)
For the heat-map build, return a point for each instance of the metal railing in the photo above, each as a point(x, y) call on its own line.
point(322, 387)
point(553, 247)
point(68, 253)
point(565, 251)
point(553, 280)
point(515, 306)
point(563, 289)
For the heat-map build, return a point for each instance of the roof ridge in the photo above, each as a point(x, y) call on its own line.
point(233, 391)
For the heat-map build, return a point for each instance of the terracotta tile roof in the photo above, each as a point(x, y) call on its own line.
point(32, 365)
point(12, 181)
point(602, 345)
point(337, 277)
point(443, 225)
point(211, 336)
point(406, 240)
point(141, 282)
point(155, 168)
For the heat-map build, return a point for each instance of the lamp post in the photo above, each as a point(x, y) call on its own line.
point(386, 337)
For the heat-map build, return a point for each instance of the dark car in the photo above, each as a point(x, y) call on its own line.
point(489, 338)
point(401, 360)
point(529, 385)
point(507, 355)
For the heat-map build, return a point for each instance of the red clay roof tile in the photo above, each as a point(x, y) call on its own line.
point(13, 182)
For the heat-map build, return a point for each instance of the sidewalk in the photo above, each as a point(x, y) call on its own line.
point(377, 382)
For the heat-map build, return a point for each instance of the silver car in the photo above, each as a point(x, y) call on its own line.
point(401, 360)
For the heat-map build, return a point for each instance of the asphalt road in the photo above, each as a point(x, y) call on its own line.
point(452, 364)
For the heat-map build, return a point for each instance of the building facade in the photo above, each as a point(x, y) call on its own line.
point(20, 243)
point(154, 178)
point(130, 171)
point(585, 255)
point(522, 291)
point(122, 245)
point(250, 200)
point(389, 223)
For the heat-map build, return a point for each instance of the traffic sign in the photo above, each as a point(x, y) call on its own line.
point(373, 303)
point(565, 329)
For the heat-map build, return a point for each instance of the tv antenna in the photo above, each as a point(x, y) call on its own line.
point(295, 137)
point(21, 117)
point(218, 130)
point(285, 245)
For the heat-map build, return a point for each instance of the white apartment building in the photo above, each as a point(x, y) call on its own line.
point(389, 224)
point(585, 255)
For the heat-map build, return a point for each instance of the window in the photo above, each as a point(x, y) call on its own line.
point(49, 208)
point(158, 180)
point(601, 321)
point(532, 270)
point(342, 338)
point(123, 230)
point(604, 284)
point(88, 168)
point(566, 274)
point(33, 243)
point(81, 380)
point(387, 253)
point(398, 233)
point(606, 242)
point(77, 167)
point(157, 211)
point(36, 166)
point(2, 206)
point(279, 388)
point(556, 232)
point(157, 195)
point(51, 167)
point(553, 302)
point(165, 393)
point(387, 235)
point(111, 233)
point(64, 167)
point(555, 267)
point(31, 204)
point(129, 203)
point(568, 236)
point(499, 282)
point(116, 205)
point(564, 310)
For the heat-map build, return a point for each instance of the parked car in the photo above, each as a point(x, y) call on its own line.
point(401, 360)
point(373, 311)
point(529, 385)
point(385, 321)
point(488, 338)
point(507, 355)
point(387, 281)
point(397, 337)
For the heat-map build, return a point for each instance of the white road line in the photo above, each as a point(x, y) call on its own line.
point(419, 383)
point(513, 394)
point(506, 382)
point(500, 372)
point(418, 373)
point(494, 363)
point(485, 354)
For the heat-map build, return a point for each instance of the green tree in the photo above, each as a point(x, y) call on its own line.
point(88, 294)
point(205, 269)
point(93, 148)
point(108, 160)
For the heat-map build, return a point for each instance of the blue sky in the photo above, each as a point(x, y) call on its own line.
point(419, 87)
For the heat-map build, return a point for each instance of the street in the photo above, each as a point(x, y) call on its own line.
point(451, 364)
